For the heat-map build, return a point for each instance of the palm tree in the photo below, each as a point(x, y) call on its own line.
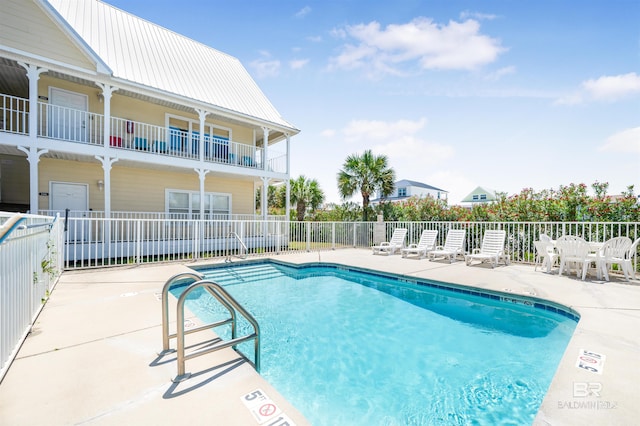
point(366, 173)
point(305, 193)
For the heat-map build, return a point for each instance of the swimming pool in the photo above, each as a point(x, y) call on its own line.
point(361, 348)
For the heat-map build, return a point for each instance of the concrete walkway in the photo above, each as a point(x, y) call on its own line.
point(92, 355)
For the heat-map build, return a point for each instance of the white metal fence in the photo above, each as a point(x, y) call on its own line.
point(30, 263)
point(98, 242)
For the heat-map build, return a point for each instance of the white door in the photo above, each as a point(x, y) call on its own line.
point(67, 115)
point(72, 196)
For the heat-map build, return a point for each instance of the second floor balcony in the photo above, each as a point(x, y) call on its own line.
point(84, 127)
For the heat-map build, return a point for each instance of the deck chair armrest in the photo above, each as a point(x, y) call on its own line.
point(475, 251)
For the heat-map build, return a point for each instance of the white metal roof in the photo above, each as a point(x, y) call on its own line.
point(148, 54)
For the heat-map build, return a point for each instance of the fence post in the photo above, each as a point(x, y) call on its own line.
point(138, 242)
point(196, 240)
point(308, 226)
point(333, 235)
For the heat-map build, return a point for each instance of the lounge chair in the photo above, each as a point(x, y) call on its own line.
point(492, 249)
point(396, 243)
point(427, 242)
point(453, 246)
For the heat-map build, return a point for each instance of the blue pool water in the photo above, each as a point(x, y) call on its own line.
point(351, 348)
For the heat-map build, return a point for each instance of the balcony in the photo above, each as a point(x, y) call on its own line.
point(84, 127)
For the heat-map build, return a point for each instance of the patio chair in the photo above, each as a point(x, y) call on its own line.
point(427, 242)
point(396, 243)
point(614, 252)
point(575, 251)
point(546, 254)
point(491, 250)
point(453, 246)
point(627, 264)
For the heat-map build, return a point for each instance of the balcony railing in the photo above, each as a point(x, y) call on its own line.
point(72, 125)
point(14, 113)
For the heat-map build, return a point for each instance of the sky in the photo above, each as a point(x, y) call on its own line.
point(457, 94)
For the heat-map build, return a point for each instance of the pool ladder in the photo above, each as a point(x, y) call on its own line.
point(243, 247)
point(226, 300)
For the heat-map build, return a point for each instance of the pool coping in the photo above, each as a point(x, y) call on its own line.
point(73, 370)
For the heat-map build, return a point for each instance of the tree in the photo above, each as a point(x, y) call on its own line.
point(305, 193)
point(367, 174)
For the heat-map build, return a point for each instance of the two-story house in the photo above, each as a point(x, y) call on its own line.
point(405, 189)
point(101, 110)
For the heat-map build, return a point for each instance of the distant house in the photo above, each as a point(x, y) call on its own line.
point(480, 195)
point(404, 189)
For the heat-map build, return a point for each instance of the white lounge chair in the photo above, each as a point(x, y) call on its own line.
point(396, 243)
point(492, 249)
point(575, 250)
point(614, 252)
point(427, 242)
point(453, 246)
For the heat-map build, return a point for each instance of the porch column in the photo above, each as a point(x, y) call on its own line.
point(107, 162)
point(33, 156)
point(264, 202)
point(265, 147)
point(107, 91)
point(201, 174)
point(203, 116)
point(33, 74)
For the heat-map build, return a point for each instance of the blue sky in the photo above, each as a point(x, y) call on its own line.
point(457, 94)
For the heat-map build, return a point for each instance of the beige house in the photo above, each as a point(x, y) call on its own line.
point(105, 114)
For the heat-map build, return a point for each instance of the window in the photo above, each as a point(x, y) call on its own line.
point(476, 197)
point(402, 192)
point(483, 196)
point(216, 205)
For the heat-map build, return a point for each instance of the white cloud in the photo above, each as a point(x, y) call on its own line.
point(266, 67)
point(613, 87)
point(498, 74)
point(625, 141)
point(477, 15)
point(296, 64)
point(605, 88)
point(374, 130)
point(303, 12)
point(456, 45)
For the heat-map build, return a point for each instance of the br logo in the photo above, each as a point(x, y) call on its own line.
point(585, 389)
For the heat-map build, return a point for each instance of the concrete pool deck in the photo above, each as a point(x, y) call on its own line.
point(91, 357)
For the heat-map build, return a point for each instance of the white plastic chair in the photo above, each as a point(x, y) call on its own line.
point(396, 243)
point(427, 242)
point(453, 246)
point(628, 259)
point(575, 250)
point(614, 251)
point(492, 249)
point(545, 254)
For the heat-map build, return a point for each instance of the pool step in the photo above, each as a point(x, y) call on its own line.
point(243, 274)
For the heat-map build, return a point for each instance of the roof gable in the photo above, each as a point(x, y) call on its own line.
point(147, 54)
point(490, 195)
point(406, 182)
